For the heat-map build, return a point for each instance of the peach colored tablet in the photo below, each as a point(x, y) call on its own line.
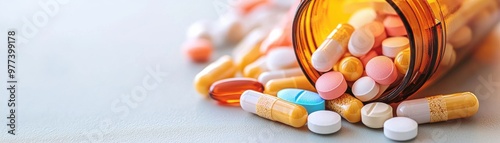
point(331, 85)
point(394, 26)
point(382, 70)
point(198, 50)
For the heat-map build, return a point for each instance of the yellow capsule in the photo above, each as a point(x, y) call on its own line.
point(221, 69)
point(439, 108)
point(347, 106)
point(299, 82)
point(351, 68)
point(254, 69)
point(248, 50)
point(273, 108)
point(402, 60)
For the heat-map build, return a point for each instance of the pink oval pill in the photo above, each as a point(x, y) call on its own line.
point(331, 85)
point(394, 26)
point(382, 70)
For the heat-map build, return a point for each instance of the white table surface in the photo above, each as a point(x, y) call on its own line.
point(78, 72)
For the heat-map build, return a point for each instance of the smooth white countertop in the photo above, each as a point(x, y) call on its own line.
point(80, 72)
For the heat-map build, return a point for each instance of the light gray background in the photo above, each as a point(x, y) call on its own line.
point(76, 71)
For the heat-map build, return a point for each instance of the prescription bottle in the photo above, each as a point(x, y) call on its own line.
point(430, 24)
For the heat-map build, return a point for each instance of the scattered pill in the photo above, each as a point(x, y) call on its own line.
point(439, 108)
point(393, 45)
point(254, 69)
point(402, 60)
point(309, 100)
point(374, 115)
point(229, 28)
point(365, 89)
point(198, 50)
point(247, 51)
point(351, 68)
point(394, 26)
point(221, 69)
point(299, 82)
point(382, 70)
point(331, 85)
point(228, 91)
point(273, 108)
point(270, 75)
point(332, 49)
point(200, 29)
point(324, 122)
point(362, 17)
point(461, 38)
point(400, 129)
point(361, 42)
point(281, 58)
point(347, 106)
point(280, 36)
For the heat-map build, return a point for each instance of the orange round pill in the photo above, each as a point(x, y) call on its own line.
point(198, 50)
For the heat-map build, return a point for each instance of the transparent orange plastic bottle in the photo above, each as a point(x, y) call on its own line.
point(430, 24)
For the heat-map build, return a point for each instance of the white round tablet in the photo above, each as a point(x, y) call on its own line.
point(324, 122)
point(374, 115)
point(365, 89)
point(400, 129)
point(392, 46)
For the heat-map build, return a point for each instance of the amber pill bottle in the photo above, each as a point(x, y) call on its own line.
point(429, 24)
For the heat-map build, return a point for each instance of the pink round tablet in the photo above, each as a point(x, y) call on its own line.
point(382, 70)
point(331, 85)
point(378, 30)
point(394, 26)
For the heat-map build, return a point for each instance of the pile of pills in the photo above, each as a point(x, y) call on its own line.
point(365, 57)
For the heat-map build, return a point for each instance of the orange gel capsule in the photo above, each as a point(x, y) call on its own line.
point(228, 91)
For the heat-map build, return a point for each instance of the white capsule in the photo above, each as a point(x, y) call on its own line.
point(365, 89)
point(281, 58)
point(200, 29)
point(393, 45)
point(325, 57)
point(361, 42)
point(362, 17)
point(374, 115)
point(461, 38)
point(229, 29)
point(400, 129)
point(267, 76)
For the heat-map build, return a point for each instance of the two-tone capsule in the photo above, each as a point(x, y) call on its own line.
point(273, 108)
point(439, 108)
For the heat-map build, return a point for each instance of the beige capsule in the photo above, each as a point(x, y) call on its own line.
point(223, 68)
point(347, 106)
point(439, 108)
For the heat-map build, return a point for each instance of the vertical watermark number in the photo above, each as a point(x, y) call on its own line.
point(11, 81)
